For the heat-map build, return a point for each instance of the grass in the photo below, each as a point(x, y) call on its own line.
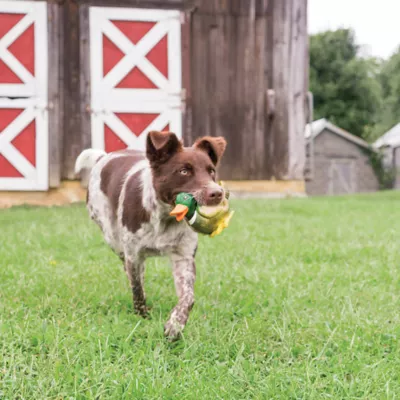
point(298, 299)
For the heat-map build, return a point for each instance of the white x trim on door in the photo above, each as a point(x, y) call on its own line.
point(135, 56)
point(35, 13)
point(137, 140)
point(167, 22)
point(107, 99)
point(35, 177)
point(31, 97)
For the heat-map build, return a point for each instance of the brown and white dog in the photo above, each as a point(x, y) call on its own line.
point(130, 196)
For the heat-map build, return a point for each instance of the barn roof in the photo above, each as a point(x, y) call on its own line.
point(322, 124)
point(390, 138)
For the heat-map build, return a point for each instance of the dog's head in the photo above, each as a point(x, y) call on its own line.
point(179, 169)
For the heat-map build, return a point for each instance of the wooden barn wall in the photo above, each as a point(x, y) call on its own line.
point(235, 53)
point(240, 50)
point(75, 114)
point(228, 83)
point(55, 90)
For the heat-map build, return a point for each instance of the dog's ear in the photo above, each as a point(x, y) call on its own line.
point(213, 146)
point(161, 146)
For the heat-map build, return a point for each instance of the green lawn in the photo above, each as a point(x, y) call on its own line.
point(298, 299)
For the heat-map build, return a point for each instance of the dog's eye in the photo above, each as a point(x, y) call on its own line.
point(184, 171)
point(212, 172)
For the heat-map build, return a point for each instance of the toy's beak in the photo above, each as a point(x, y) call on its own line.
point(179, 212)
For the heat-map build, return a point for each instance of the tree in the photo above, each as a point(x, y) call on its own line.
point(389, 78)
point(345, 86)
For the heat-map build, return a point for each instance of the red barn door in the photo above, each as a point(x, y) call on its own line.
point(23, 96)
point(135, 65)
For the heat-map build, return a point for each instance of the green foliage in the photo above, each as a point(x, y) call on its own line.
point(389, 79)
point(385, 176)
point(345, 86)
point(361, 95)
point(298, 299)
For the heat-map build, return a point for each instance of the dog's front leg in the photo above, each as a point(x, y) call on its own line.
point(134, 268)
point(184, 271)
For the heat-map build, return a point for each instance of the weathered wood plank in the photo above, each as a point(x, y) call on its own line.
point(268, 79)
point(54, 101)
point(260, 98)
point(246, 70)
point(186, 77)
point(289, 79)
point(199, 74)
point(72, 142)
point(61, 85)
point(280, 126)
point(298, 88)
point(84, 77)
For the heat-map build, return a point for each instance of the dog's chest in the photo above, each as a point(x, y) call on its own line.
point(166, 237)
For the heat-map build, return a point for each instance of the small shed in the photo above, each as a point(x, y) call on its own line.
point(389, 138)
point(389, 145)
point(396, 164)
point(337, 161)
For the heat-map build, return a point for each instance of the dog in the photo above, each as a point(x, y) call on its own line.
point(130, 196)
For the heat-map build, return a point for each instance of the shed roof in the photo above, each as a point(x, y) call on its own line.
point(322, 124)
point(390, 138)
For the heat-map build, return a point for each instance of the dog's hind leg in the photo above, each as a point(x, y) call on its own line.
point(184, 271)
point(134, 269)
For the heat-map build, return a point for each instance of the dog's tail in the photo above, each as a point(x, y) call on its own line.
point(87, 159)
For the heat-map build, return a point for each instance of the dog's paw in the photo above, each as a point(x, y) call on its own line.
point(142, 311)
point(173, 330)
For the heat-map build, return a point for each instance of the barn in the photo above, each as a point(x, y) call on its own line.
point(102, 73)
point(337, 161)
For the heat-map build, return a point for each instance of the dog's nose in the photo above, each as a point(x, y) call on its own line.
point(214, 195)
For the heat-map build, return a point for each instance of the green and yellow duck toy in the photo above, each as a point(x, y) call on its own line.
point(203, 219)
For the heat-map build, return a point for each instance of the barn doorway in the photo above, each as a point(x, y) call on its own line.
point(135, 68)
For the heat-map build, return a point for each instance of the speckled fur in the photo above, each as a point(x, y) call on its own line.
point(162, 236)
point(156, 234)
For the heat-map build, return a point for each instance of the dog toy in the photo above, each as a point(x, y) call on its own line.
point(208, 220)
